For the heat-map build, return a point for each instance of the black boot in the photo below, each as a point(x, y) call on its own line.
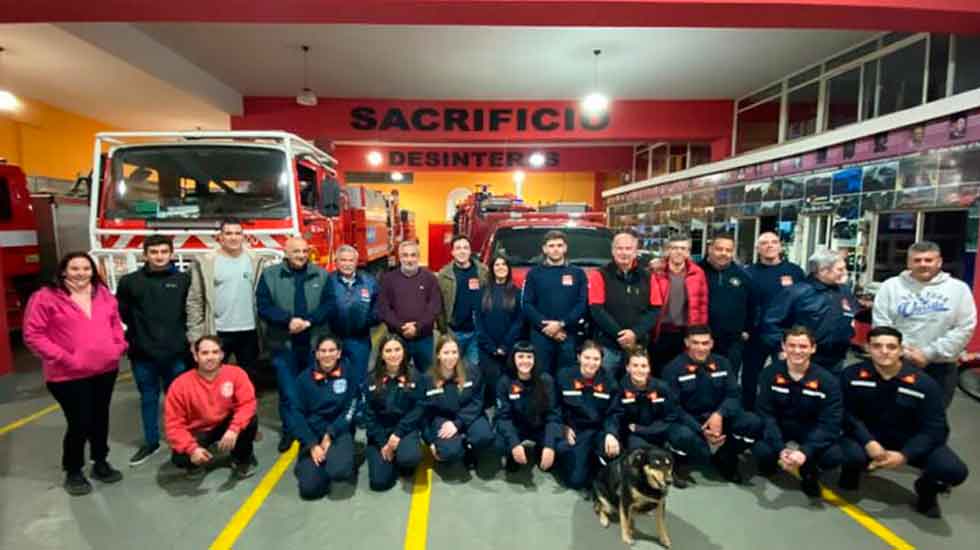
point(927, 503)
point(850, 479)
point(469, 458)
point(726, 461)
point(810, 481)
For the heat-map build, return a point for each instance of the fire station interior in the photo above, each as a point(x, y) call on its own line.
point(852, 125)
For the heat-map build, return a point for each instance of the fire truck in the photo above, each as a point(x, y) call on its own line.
point(503, 224)
point(183, 184)
point(18, 236)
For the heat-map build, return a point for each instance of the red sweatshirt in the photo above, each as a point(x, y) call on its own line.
point(195, 405)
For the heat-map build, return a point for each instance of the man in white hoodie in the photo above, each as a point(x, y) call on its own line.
point(934, 311)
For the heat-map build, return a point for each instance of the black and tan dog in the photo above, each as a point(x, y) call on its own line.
point(634, 484)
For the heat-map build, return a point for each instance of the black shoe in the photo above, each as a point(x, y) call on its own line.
point(767, 469)
point(727, 466)
point(679, 482)
point(469, 458)
point(244, 470)
point(285, 442)
point(76, 484)
point(927, 504)
point(143, 454)
point(849, 480)
point(809, 483)
point(104, 472)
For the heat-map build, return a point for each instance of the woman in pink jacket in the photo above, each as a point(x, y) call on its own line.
point(73, 326)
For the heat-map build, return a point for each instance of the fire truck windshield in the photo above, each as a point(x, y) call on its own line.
point(587, 246)
point(197, 182)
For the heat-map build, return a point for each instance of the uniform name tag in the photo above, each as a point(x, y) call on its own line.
point(436, 391)
point(719, 374)
point(913, 393)
point(601, 395)
point(514, 396)
point(778, 389)
point(686, 377)
point(865, 383)
point(468, 384)
point(571, 393)
point(812, 393)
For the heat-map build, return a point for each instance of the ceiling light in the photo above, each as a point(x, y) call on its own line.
point(519, 176)
point(8, 101)
point(306, 96)
point(536, 160)
point(375, 158)
point(397, 176)
point(595, 103)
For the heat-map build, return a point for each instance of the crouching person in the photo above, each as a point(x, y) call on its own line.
point(894, 415)
point(212, 404)
point(453, 422)
point(588, 431)
point(527, 410)
point(799, 401)
point(321, 420)
point(392, 412)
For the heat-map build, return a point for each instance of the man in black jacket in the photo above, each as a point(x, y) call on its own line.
point(619, 303)
point(152, 305)
point(733, 301)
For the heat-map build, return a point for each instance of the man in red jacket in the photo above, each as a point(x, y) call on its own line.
point(212, 404)
point(683, 291)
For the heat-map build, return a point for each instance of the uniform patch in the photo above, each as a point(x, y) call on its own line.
point(786, 280)
point(781, 380)
point(692, 368)
point(436, 391)
point(514, 396)
point(686, 377)
point(909, 379)
point(365, 295)
point(779, 389)
point(812, 393)
point(864, 374)
point(566, 280)
point(628, 394)
point(339, 386)
point(719, 374)
point(712, 366)
point(865, 383)
point(227, 389)
point(654, 397)
point(628, 400)
point(571, 393)
point(474, 283)
point(516, 388)
point(812, 384)
point(599, 388)
point(468, 384)
point(600, 395)
point(913, 393)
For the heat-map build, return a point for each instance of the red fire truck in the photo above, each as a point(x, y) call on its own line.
point(18, 237)
point(183, 183)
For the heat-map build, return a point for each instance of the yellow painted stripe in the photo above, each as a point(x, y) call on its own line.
point(244, 515)
point(862, 518)
point(418, 515)
point(46, 411)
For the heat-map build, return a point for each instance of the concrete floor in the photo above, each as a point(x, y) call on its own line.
point(155, 508)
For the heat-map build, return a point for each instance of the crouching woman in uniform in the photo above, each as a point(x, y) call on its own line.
point(321, 417)
point(453, 423)
point(392, 411)
point(527, 409)
point(588, 430)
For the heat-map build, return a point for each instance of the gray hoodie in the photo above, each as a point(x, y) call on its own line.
point(937, 317)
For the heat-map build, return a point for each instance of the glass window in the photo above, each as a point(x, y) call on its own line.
point(967, 63)
point(758, 126)
point(522, 246)
point(805, 76)
point(6, 212)
point(870, 83)
point(842, 98)
point(802, 111)
point(901, 79)
point(852, 55)
point(658, 166)
point(771, 91)
point(700, 154)
point(938, 66)
point(678, 157)
point(641, 165)
point(893, 37)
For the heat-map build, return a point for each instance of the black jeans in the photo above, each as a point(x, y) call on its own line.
point(85, 402)
point(241, 454)
point(491, 367)
point(244, 345)
point(947, 376)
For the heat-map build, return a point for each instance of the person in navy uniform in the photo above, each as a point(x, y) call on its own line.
point(799, 401)
point(650, 415)
point(527, 410)
point(321, 419)
point(588, 430)
point(894, 415)
point(392, 413)
point(554, 302)
point(453, 423)
point(708, 392)
point(733, 301)
point(820, 303)
point(499, 322)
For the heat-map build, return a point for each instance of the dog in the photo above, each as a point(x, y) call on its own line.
point(634, 484)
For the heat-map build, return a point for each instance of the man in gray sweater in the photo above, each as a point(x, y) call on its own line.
point(934, 312)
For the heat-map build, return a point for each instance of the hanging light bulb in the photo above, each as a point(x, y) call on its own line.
point(306, 96)
point(375, 158)
point(596, 102)
point(536, 160)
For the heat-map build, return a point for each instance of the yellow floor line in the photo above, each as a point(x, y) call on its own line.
point(417, 529)
point(244, 515)
point(21, 422)
point(862, 518)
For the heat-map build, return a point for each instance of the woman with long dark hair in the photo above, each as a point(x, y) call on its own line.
point(392, 411)
point(526, 410)
point(453, 423)
point(498, 324)
point(73, 325)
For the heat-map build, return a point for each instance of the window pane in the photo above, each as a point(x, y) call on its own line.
point(852, 55)
point(758, 127)
point(803, 111)
point(805, 76)
point(901, 79)
point(870, 85)
point(700, 154)
point(764, 94)
point(842, 98)
point(967, 63)
point(678, 157)
point(893, 37)
point(641, 162)
point(938, 66)
point(659, 166)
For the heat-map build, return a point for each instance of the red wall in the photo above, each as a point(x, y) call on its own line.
point(569, 159)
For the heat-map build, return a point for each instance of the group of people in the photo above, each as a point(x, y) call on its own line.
point(568, 371)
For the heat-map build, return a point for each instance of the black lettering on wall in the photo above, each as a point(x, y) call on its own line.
point(478, 156)
point(363, 118)
point(595, 121)
point(521, 119)
point(514, 159)
point(460, 158)
point(455, 118)
point(420, 124)
point(537, 119)
point(497, 159)
point(396, 158)
point(477, 120)
point(569, 119)
point(415, 158)
point(552, 159)
point(498, 117)
point(394, 119)
point(432, 158)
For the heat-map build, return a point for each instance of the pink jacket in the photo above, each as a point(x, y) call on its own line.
point(72, 346)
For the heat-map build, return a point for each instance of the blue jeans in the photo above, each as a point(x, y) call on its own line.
point(148, 376)
point(357, 351)
point(467, 347)
point(421, 352)
point(287, 365)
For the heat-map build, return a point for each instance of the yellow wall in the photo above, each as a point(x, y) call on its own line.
point(46, 141)
point(426, 196)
